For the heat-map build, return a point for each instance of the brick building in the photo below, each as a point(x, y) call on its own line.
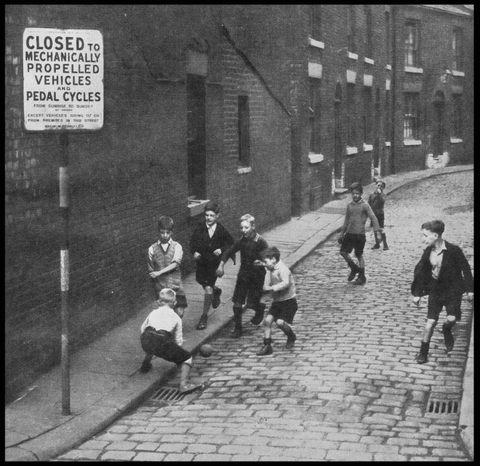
point(267, 109)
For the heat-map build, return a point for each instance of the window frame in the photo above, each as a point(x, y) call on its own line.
point(457, 116)
point(351, 35)
point(351, 115)
point(314, 116)
point(315, 22)
point(411, 116)
point(457, 49)
point(369, 31)
point(243, 113)
point(412, 47)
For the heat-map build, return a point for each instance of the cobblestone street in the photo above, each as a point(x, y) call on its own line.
point(350, 390)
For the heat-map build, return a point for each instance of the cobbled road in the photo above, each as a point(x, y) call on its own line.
point(350, 390)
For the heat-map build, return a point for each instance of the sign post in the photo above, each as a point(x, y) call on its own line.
point(63, 92)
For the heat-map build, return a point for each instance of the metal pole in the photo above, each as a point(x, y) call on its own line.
point(64, 271)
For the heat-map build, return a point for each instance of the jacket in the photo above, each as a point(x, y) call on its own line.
point(455, 275)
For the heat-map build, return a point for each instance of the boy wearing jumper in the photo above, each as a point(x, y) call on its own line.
point(163, 261)
point(161, 336)
point(352, 235)
point(209, 240)
point(251, 275)
point(444, 274)
point(281, 284)
point(376, 201)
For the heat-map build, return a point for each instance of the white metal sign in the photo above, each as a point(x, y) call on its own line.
point(62, 79)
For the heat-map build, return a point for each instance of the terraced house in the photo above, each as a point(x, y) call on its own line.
point(268, 109)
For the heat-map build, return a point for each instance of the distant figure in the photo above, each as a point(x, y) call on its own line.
point(376, 201)
point(207, 244)
point(444, 274)
point(250, 278)
point(281, 284)
point(161, 336)
point(352, 235)
point(164, 259)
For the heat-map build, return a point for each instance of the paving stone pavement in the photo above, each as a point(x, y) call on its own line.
point(350, 390)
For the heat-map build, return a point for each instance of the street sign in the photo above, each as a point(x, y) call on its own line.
point(63, 79)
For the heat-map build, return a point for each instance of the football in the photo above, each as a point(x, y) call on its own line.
point(206, 350)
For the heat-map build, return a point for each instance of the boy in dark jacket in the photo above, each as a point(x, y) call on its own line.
point(376, 201)
point(444, 274)
point(209, 241)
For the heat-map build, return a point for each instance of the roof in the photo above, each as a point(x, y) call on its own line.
point(451, 9)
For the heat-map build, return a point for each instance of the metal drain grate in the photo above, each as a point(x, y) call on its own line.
point(442, 407)
point(167, 394)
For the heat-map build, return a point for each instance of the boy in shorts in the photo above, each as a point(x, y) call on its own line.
point(251, 276)
point(207, 244)
point(281, 284)
point(444, 274)
point(163, 261)
point(376, 201)
point(161, 336)
point(352, 233)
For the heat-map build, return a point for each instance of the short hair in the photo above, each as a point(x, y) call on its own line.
point(357, 185)
point(165, 223)
point(167, 296)
point(384, 185)
point(435, 226)
point(213, 206)
point(248, 218)
point(271, 252)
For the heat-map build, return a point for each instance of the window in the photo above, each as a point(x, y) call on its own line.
point(457, 45)
point(352, 46)
point(457, 116)
point(411, 44)
point(388, 117)
point(315, 22)
point(411, 121)
point(314, 114)
point(369, 32)
point(196, 148)
point(243, 131)
point(388, 37)
point(367, 115)
point(351, 126)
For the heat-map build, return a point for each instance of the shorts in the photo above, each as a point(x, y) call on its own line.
point(205, 274)
point(163, 347)
point(249, 286)
point(353, 241)
point(381, 220)
point(437, 299)
point(284, 310)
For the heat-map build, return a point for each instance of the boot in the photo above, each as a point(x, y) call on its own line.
point(291, 337)
point(361, 280)
point(258, 317)
point(267, 347)
point(237, 319)
point(384, 239)
point(354, 270)
point(186, 387)
point(447, 334)
point(422, 356)
point(377, 244)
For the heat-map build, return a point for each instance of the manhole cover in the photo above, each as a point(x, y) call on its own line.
point(442, 407)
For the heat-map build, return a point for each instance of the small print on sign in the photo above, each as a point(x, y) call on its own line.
point(62, 79)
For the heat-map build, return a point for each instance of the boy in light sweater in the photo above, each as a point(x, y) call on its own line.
point(352, 234)
point(281, 284)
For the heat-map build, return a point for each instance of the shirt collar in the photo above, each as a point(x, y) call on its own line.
point(168, 243)
point(441, 249)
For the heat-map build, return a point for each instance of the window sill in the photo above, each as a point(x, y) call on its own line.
point(370, 61)
point(243, 170)
point(387, 144)
point(367, 147)
point(353, 56)
point(458, 73)
point(388, 67)
point(315, 158)
point(413, 69)
point(352, 150)
point(316, 43)
point(412, 142)
point(196, 206)
point(455, 140)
